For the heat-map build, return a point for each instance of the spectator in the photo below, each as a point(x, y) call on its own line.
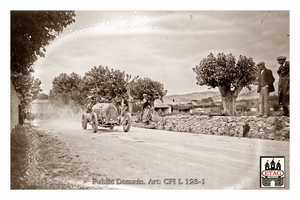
point(265, 86)
point(284, 84)
point(146, 110)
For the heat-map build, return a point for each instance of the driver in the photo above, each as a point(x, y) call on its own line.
point(92, 103)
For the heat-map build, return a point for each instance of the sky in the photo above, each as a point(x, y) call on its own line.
point(164, 45)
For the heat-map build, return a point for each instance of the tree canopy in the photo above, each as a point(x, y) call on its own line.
point(106, 83)
point(140, 86)
point(31, 32)
point(66, 89)
point(29, 89)
point(228, 75)
point(224, 71)
point(42, 96)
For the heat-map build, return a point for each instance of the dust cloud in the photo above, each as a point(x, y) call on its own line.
point(58, 112)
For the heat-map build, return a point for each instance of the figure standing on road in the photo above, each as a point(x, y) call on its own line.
point(284, 84)
point(146, 110)
point(265, 86)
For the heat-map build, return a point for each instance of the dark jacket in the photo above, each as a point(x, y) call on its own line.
point(284, 83)
point(266, 78)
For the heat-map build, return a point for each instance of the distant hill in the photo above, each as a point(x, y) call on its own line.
point(193, 96)
point(215, 95)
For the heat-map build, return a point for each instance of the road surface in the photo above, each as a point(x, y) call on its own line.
point(155, 159)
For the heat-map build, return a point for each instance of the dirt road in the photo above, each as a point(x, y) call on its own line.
point(154, 159)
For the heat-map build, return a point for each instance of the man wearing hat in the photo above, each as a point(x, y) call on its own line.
point(93, 101)
point(284, 84)
point(147, 109)
point(265, 86)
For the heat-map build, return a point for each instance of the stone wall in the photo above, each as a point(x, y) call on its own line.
point(14, 107)
point(272, 128)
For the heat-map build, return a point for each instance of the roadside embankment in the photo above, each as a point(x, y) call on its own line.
point(272, 128)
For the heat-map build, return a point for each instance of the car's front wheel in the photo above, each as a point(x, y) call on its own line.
point(84, 120)
point(94, 122)
point(126, 122)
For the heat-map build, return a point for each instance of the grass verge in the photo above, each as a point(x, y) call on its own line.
point(32, 163)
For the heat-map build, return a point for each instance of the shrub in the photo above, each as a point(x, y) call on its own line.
point(242, 108)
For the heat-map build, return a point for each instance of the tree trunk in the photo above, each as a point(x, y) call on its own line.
point(229, 99)
point(229, 105)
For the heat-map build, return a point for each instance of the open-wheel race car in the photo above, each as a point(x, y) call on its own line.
point(105, 115)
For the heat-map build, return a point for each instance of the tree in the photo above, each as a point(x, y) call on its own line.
point(31, 32)
point(153, 89)
point(66, 89)
point(43, 96)
point(105, 83)
point(230, 77)
point(28, 88)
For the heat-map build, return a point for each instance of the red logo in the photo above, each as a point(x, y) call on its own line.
point(272, 173)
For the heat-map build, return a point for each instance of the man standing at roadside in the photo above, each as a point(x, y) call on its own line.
point(284, 84)
point(265, 86)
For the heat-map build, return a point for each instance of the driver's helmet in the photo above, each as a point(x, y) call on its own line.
point(93, 99)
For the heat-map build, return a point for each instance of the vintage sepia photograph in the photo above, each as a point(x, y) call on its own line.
point(150, 99)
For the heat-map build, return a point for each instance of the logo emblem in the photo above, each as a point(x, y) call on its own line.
point(272, 171)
